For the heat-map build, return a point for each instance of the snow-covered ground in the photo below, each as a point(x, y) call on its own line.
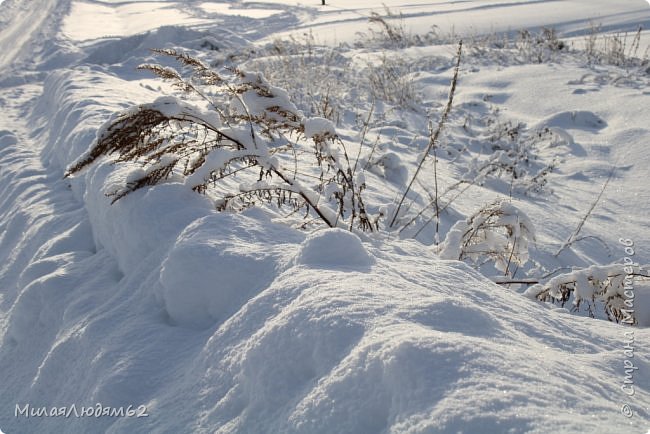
point(209, 321)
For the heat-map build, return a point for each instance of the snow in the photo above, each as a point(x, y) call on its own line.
point(243, 322)
point(229, 9)
point(213, 269)
point(333, 248)
point(319, 127)
point(339, 22)
point(91, 20)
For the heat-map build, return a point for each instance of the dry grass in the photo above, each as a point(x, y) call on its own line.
point(253, 131)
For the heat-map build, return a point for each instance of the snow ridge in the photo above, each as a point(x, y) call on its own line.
point(224, 322)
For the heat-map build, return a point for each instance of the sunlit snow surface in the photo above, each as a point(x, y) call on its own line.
point(92, 20)
point(220, 322)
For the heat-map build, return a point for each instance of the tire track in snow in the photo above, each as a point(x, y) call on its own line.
point(27, 28)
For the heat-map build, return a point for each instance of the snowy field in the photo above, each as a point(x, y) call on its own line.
point(391, 238)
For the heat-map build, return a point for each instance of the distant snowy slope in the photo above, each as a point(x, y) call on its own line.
point(237, 322)
point(339, 21)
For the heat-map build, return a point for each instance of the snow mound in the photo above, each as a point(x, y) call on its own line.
point(296, 334)
point(148, 221)
point(333, 248)
point(317, 126)
point(579, 120)
point(212, 270)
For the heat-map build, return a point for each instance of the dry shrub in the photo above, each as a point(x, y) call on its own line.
point(244, 127)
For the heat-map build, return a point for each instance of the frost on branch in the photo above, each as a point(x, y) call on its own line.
point(233, 123)
point(498, 231)
point(613, 286)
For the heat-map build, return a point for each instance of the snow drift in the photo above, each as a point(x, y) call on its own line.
point(222, 322)
point(218, 322)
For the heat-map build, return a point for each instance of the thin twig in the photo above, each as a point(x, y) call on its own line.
point(434, 137)
point(575, 233)
point(363, 137)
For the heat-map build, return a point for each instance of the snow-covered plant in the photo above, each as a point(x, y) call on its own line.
point(613, 286)
point(527, 47)
point(434, 139)
point(539, 47)
point(237, 124)
point(513, 153)
point(499, 231)
point(390, 80)
point(394, 34)
point(318, 78)
point(388, 31)
point(615, 48)
point(324, 82)
point(504, 153)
